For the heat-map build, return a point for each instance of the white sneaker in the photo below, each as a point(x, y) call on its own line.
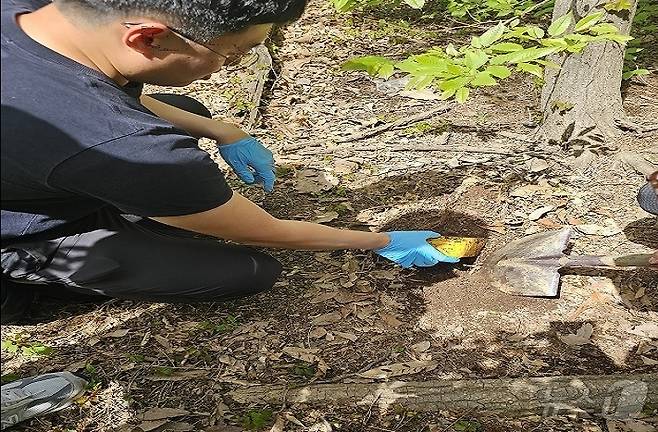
point(38, 395)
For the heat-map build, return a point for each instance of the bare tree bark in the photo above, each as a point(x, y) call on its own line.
point(612, 396)
point(581, 102)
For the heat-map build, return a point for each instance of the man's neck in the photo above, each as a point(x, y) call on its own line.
point(51, 29)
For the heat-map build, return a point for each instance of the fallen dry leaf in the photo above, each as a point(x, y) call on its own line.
point(421, 347)
point(328, 318)
point(582, 336)
point(349, 336)
point(279, 424)
point(648, 330)
point(397, 369)
point(608, 228)
point(309, 355)
point(390, 320)
point(163, 341)
point(117, 333)
point(317, 332)
point(178, 427)
point(148, 426)
point(179, 375)
point(161, 413)
point(326, 217)
point(541, 211)
point(320, 298)
point(321, 426)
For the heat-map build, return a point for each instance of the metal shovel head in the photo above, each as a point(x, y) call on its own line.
point(529, 266)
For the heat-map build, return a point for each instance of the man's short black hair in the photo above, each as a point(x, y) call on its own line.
point(202, 20)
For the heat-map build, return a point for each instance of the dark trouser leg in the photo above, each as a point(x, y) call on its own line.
point(124, 259)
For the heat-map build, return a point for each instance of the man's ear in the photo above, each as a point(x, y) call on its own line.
point(141, 37)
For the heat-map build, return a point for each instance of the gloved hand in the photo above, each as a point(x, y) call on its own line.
point(410, 248)
point(251, 161)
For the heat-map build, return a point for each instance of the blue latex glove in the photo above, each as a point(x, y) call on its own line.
point(251, 161)
point(410, 248)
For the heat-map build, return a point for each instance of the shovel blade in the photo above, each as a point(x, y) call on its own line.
point(529, 266)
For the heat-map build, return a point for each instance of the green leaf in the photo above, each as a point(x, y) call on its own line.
point(555, 42)
point(548, 63)
point(501, 72)
point(635, 72)
point(483, 79)
point(619, 38)
point(507, 47)
point(492, 35)
point(374, 65)
point(7, 378)
point(344, 5)
point(531, 69)
point(588, 21)
point(419, 82)
point(618, 5)
point(475, 59)
point(451, 51)
point(560, 25)
point(604, 28)
point(454, 84)
point(462, 94)
point(536, 32)
point(416, 4)
point(9, 346)
point(523, 56)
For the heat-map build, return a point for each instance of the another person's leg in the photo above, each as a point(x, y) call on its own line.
point(132, 260)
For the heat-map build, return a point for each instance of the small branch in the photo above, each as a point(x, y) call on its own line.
point(396, 124)
point(464, 149)
point(261, 68)
point(527, 11)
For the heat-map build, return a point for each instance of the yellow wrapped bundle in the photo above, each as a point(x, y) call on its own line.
point(459, 247)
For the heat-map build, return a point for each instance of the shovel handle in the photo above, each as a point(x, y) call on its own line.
point(633, 260)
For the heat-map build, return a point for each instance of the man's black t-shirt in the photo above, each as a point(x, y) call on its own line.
point(73, 141)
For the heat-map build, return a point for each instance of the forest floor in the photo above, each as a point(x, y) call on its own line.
point(474, 170)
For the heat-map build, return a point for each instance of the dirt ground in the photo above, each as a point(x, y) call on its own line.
point(473, 171)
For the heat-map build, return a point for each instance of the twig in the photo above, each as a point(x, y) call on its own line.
point(262, 69)
point(527, 11)
point(398, 123)
point(458, 418)
point(465, 149)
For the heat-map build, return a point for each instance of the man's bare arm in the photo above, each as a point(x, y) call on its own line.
point(194, 124)
point(244, 222)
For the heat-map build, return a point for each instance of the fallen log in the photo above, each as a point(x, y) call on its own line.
point(613, 396)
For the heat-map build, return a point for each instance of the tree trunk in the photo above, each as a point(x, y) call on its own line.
point(612, 396)
point(581, 102)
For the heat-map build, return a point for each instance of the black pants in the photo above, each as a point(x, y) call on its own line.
point(136, 258)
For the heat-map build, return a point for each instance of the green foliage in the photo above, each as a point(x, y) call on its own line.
point(467, 426)
point(491, 56)
point(374, 65)
point(164, 371)
point(227, 325)
point(645, 31)
point(256, 419)
point(20, 345)
point(487, 9)
point(304, 369)
point(7, 378)
point(617, 5)
point(94, 381)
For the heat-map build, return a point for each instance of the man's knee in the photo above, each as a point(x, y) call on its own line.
point(268, 271)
